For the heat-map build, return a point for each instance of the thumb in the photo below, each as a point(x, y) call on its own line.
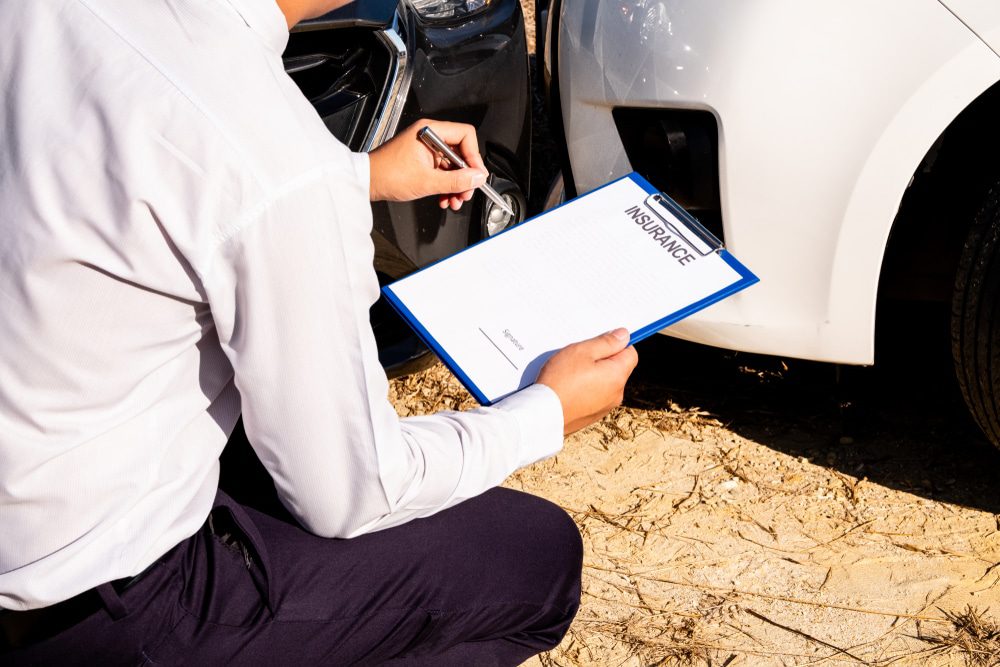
point(457, 180)
point(607, 344)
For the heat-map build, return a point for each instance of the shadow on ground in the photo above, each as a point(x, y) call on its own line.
point(901, 423)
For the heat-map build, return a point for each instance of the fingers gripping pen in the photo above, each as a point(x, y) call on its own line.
point(434, 142)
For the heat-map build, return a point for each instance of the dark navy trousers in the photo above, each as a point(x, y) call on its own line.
point(491, 581)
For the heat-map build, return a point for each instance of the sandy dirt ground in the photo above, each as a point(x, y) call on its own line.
point(743, 510)
point(746, 510)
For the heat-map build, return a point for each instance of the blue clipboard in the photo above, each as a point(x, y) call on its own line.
point(700, 240)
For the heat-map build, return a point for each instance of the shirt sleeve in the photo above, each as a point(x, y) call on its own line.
point(290, 292)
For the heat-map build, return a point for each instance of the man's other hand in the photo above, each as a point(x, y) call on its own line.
point(589, 377)
point(403, 168)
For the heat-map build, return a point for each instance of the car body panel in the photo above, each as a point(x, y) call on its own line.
point(824, 112)
point(982, 17)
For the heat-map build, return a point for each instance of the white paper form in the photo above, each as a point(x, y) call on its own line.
point(621, 256)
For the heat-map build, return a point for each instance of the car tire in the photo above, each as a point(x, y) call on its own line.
point(975, 318)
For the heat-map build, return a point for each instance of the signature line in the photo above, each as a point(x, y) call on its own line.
point(499, 350)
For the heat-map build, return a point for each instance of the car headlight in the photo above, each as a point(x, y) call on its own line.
point(443, 10)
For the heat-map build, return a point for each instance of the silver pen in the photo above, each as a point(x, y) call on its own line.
point(434, 142)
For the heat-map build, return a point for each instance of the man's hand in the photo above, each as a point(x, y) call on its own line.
point(403, 168)
point(589, 377)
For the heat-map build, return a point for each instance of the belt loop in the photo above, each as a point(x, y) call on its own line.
point(246, 525)
point(112, 601)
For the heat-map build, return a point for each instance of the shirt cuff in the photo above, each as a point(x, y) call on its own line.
point(540, 417)
point(362, 169)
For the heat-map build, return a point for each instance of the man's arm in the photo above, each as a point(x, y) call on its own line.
point(290, 292)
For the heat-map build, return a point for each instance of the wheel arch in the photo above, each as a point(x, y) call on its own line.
point(937, 209)
point(887, 239)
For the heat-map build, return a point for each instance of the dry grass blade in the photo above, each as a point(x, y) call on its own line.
point(971, 637)
point(729, 591)
point(650, 640)
point(805, 635)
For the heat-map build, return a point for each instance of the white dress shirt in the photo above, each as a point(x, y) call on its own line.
point(181, 239)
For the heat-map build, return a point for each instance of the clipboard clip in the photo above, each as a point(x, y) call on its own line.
point(695, 236)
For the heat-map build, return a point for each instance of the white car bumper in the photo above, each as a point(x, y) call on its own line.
point(824, 110)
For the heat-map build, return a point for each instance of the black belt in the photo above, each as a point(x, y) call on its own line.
point(23, 628)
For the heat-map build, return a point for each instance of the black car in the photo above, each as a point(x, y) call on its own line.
point(377, 65)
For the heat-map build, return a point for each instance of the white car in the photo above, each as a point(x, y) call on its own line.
point(842, 150)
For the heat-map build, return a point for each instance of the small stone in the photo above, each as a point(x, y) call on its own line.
point(728, 485)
